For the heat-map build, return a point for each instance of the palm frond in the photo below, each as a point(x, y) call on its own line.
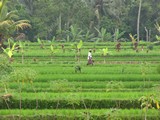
point(157, 26)
point(5, 23)
point(22, 26)
point(97, 30)
point(11, 15)
point(2, 4)
point(22, 21)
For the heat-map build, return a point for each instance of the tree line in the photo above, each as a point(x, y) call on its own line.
point(88, 20)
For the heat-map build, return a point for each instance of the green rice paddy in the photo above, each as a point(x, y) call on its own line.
point(109, 90)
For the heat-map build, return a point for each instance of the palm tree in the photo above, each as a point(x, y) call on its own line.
point(2, 3)
point(138, 19)
point(9, 22)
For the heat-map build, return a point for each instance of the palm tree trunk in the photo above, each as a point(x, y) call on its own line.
point(149, 36)
point(60, 22)
point(138, 19)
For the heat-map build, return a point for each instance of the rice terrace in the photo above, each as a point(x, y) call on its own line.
point(77, 74)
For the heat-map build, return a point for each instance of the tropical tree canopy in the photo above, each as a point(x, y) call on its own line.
point(10, 22)
point(57, 18)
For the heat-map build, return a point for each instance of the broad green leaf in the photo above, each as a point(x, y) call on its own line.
point(132, 38)
point(52, 49)
point(10, 54)
point(157, 27)
point(13, 47)
point(0, 4)
point(5, 50)
point(157, 104)
point(9, 50)
point(53, 39)
point(105, 51)
point(80, 44)
point(39, 41)
point(158, 37)
point(103, 32)
point(98, 31)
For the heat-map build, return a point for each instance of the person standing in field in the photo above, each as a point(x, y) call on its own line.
point(90, 61)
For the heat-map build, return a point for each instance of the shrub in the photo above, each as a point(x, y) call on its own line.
point(23, 75)
point(150, 47)
point(5, 67)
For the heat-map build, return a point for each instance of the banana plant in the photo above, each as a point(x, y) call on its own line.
point(101, 33)
point(75, 32)
point(9, 50)
point(105, 52)
point(80, 44)
point(41, 43)
point(88, 36)
point(53, 51)
point(134, 41)
point(157, 27)
point(53, 39)
point(73, 46)
point(118, 34)
point(158, 37)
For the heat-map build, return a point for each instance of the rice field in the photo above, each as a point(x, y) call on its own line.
point(43, 84)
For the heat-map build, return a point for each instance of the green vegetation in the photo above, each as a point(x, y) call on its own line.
point(47, 76)
point(80, 114)
point(117, 85)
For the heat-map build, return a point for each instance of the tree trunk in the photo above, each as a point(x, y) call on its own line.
point(149, 36)
point(138, 19)
point(60, 23)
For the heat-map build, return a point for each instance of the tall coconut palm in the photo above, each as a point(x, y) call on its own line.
point(2, 3)
point(9, 22)
point(138, 19)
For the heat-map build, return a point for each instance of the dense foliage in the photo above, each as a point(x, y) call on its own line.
point(51, 18)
